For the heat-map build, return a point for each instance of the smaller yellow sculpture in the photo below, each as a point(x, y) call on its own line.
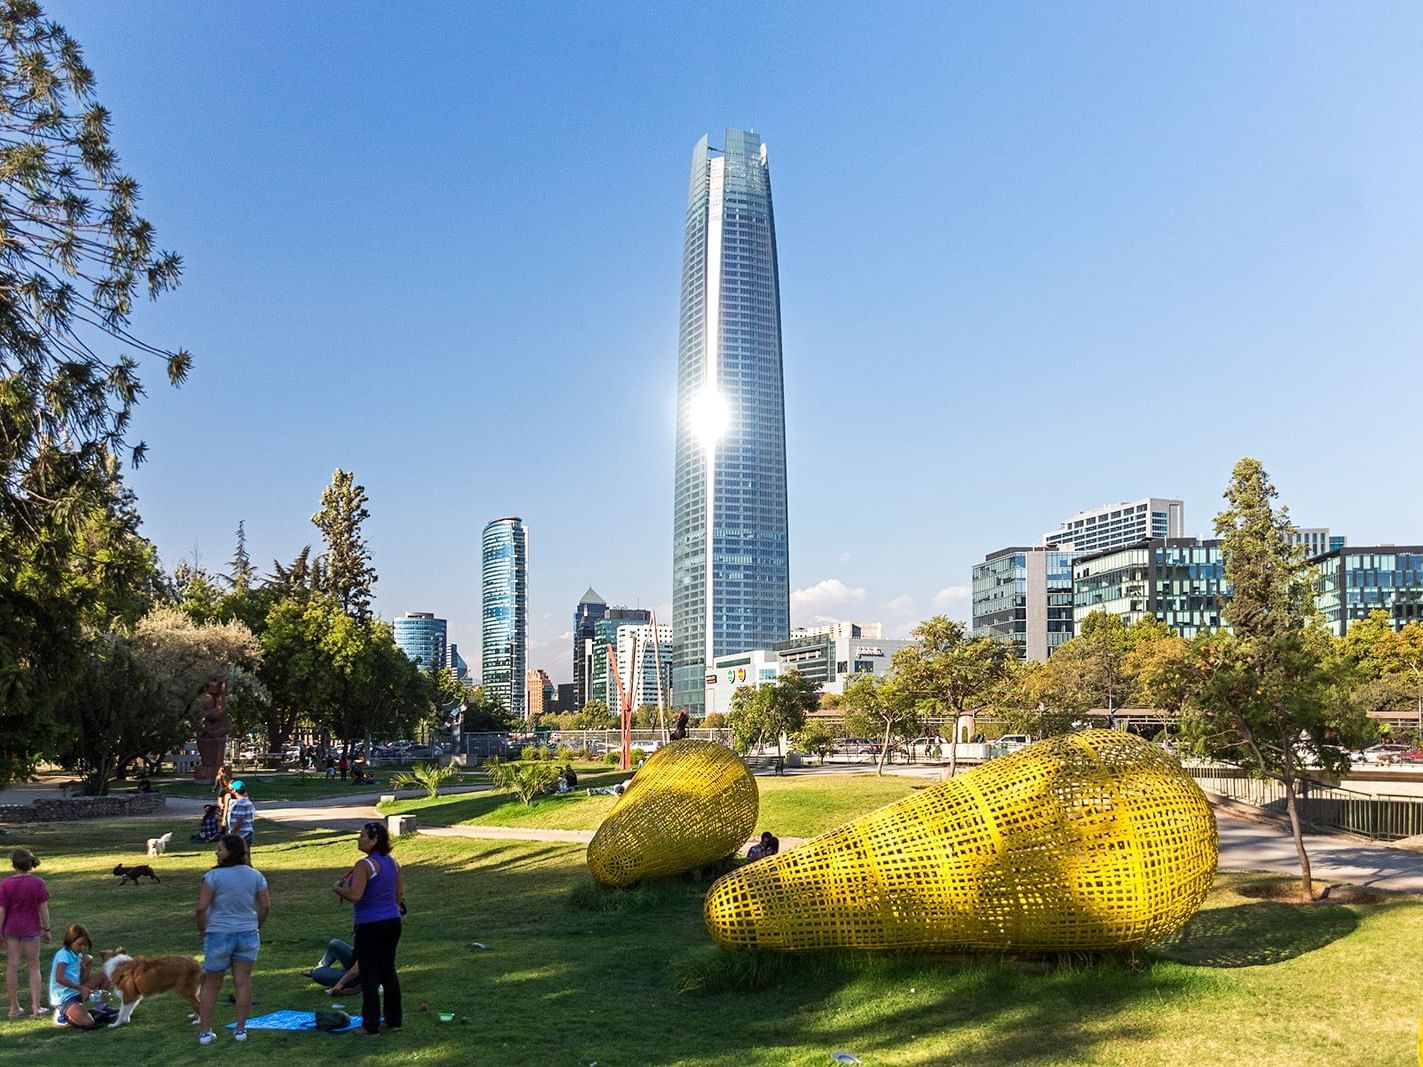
point(690, 803)
point(1092, 840)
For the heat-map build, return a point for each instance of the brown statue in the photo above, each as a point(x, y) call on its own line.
point(212, 739)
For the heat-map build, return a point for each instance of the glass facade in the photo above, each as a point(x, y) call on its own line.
point(1351, 582)
point(589, 610)
point(605, 633)
point(1181, 581)
point(1119, 525)
point(422, 638)
point(730, 573)
point(505, 614)
point(1024, 595)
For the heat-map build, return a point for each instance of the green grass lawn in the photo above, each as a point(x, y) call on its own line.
point(567, 980)
point(287, 785)
point(794, 806)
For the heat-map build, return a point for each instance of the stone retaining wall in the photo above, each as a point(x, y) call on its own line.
point(72, 809)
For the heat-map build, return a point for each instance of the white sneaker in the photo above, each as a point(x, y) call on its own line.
point(239, 1035)
point(207, 1037)
point(59, 1019)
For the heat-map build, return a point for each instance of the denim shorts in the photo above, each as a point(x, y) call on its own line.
point(221, 948)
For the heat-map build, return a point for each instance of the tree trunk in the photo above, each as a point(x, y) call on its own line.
point(1305, 878)
point(954, 748)
point(883, 751)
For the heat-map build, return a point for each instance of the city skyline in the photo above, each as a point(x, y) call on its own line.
point(1032, 259)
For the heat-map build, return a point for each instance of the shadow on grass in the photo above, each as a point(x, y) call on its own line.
point(467, 807)
point(1253, 935)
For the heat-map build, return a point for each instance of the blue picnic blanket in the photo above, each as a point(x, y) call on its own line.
point(292, 1020)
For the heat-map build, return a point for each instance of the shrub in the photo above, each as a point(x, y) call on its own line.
point(544, 753)
point(528, 753)
point(638, 755)
point(566, 754)
point(427, 776)
point(525, 780)
point(585, 753)
point(612, 758)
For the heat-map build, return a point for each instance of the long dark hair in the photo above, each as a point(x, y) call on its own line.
point(379, 833)
point(236, 846)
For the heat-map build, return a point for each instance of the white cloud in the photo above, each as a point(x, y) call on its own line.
point(902, 603)
point(953, 601)
point(824, 595)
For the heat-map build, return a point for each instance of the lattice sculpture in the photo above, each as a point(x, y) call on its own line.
point(690, 803)
point(1092, 840)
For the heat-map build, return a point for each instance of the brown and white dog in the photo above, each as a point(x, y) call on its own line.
point(147, 976)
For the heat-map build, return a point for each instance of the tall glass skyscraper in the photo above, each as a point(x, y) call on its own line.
point(730, 574)
point(505, 613)
point(421, 637)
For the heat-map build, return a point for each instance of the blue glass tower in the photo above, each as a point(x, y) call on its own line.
point(730, 573)
point(505, 615)
point(421, 637)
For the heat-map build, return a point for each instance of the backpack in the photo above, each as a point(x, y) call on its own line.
point(332, 1019)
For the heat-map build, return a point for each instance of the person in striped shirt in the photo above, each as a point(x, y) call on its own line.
point(241, 813)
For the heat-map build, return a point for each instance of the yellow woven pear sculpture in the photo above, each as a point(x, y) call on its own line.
point(1092, 840)
point(690, 803)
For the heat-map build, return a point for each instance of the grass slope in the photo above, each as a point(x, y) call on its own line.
point(575, 974)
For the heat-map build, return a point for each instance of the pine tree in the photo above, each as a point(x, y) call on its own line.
point(242, 570)
point(346, 564)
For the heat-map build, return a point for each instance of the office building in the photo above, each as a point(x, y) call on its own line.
point(730, 574)
point(645, 662)
point(566, 697)
point(1181, 581)
point(829, 656)
point(1115, 525)
point(457, 663)
point(505, 614)
point(421, 637)
point(539, 693)
point(1352, 582)
point(589, 610)
point(1024, 595)
point(1317, 540)
point(605, 636)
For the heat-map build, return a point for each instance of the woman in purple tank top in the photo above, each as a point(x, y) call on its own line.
point(376, 888)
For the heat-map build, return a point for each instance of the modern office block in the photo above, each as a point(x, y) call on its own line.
point(1024, 595)
point(730, 575)
point(1317, 540)
point(505, 612)
point(602, 685)
point(540, 691)
point(1115, 525)
point(589, 610)
point(421, 637)
point(457, 663)
point(1180, 581)
point(1351, 582)
point(645, 662)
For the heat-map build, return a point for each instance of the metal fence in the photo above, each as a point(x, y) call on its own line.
point(1382, 817)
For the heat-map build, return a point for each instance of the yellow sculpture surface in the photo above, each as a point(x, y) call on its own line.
point(1092, 840)
point(690, 803)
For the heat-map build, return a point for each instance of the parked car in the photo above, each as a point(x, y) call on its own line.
point(1013, 742)
point(1383, 754)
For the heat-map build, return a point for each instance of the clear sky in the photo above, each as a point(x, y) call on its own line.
point(1034, 258)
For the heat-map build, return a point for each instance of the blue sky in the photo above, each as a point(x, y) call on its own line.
point(1033, 258)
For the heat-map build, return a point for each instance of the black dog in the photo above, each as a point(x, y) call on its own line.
point(133, 874)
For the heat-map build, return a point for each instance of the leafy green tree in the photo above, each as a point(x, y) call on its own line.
point(1157, 665)
point(1262, 696)
point(595, 715)
point(771, 712)
point(299, 667)
point(1388, 664)
point(242, 573)
point(486, 713)
point(949, 673)
point(817, 738)
point(882, 707)
point(346, 565)
point(74, 257)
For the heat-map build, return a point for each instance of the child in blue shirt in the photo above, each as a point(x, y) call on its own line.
point(70, 982)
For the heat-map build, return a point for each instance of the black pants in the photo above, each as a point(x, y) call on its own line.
point(375, 952)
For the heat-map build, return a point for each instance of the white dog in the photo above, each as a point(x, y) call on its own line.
point(159, 845)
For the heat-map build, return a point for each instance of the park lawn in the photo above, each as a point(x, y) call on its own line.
point(290, 785)
point(797, 805)
point(558, 983)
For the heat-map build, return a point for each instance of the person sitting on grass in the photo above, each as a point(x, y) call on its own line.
point(208, 830)
point(337, 970)
point(769, 845)
point(70, 983)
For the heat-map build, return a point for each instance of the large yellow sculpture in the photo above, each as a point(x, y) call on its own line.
point(1092, 840)
point(690, 803)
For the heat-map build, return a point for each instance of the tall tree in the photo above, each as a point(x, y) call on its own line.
point(348, 574)
point(1263, 696)
point(243, 572)
point(771, 712)
point(1388, 664)
point(954, 674)
point(882, 707)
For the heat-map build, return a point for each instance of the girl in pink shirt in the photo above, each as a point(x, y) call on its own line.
point(24, 918)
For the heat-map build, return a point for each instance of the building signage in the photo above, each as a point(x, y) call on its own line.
point(710, 679)
point(876, 652)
